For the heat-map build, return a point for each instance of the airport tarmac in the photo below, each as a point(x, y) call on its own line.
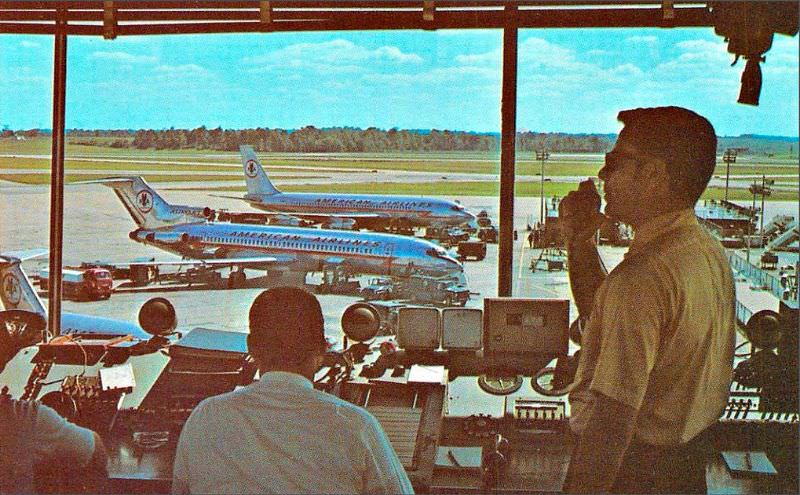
point(96, 227)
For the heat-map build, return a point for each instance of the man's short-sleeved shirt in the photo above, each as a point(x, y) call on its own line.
point(280, 435)
point(57, 439)
point(661, 335)
point(50, 439)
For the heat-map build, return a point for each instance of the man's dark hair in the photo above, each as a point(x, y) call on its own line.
point(684, 140)
point(6, 348)
point(286, 326)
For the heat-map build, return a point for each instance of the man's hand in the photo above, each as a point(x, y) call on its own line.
point(579, 213)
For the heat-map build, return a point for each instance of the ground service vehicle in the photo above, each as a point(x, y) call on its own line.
point(90, 283)
point(378, 288)
point(471, 249)
point(447, 291)
point(488, 234)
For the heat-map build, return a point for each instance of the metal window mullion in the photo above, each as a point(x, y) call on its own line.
point(508, 113)
point(57, 178)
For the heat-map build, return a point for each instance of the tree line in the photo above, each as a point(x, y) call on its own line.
point(336, 139)
point(349, 139)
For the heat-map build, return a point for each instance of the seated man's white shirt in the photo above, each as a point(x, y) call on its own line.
point(57, 439)
point(280, 435)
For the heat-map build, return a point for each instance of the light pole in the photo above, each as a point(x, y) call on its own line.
point(765, 191)
point(728, 157)
point(542, 155)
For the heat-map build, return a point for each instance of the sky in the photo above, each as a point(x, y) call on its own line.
point(569, 80)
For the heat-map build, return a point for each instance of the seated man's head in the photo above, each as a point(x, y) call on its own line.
point(287, 331)
point(662, 161)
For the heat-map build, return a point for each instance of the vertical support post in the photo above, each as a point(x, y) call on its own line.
point(763, 196)
point(508, 111)
point(57, 177)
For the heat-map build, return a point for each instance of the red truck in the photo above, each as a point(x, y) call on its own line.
point(86, 283)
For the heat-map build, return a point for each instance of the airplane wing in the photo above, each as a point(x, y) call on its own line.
point(24, 255)
point(106, 180)
point(228, 197)
point(215, 262)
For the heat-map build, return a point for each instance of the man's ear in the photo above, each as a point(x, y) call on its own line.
point(255, 351)
point(655, 178)
point(318, 360)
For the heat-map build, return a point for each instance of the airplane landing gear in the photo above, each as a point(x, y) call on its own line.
point(236, 279)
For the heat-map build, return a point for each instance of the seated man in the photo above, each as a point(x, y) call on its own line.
point(279, 434)
point(35, 436)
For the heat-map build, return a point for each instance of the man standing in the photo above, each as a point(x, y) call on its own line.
point(657, 355)
point(279, 434)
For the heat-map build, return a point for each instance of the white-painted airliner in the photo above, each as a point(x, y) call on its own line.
point(17, 293)
point(187, 231)
point(369, 211)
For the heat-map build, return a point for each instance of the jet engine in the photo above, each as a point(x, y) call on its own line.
point(160, 237)
point(340, 224)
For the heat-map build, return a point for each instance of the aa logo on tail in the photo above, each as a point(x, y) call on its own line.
point(11, 289)
point(251, 169)
point(144, 201)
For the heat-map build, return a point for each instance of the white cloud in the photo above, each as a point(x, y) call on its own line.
point(181, 70)
point(336, 52)
point(124, 57)
point(598, 53)
point(642, 40)
point(395, 54)
point(784, 53)
point(27, 79)
point(492, 58)
point(542, 52)
point(28, 44)
point(463, 75)
point(695, 61)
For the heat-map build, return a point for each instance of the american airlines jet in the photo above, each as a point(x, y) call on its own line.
point(186, 231)
point(17, 293)
point(370, 211)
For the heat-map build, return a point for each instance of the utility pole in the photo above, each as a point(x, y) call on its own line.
point(728, 157)
point(542, 155)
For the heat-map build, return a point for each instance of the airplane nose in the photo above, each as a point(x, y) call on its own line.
point(460, 278)
point(454, 267)
point(470, 219)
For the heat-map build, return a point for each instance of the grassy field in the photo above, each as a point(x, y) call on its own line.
point(553, 168)
point(198, 163)
point(69, 178)
point(445, 162)
point(474, 188)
